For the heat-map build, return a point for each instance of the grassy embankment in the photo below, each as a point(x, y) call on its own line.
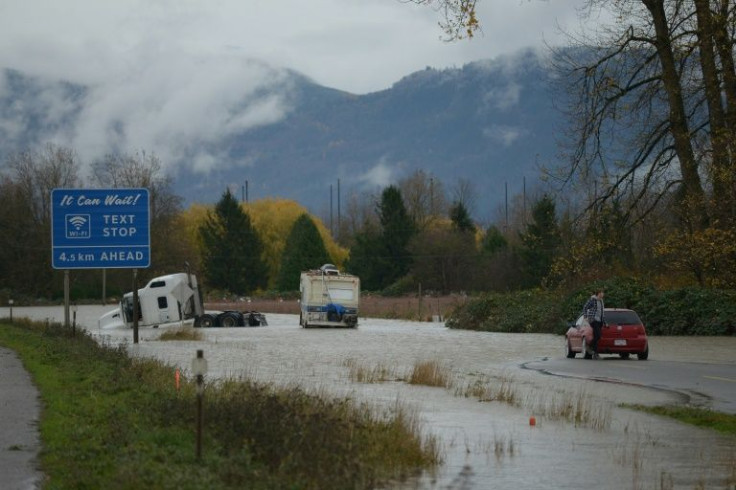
point(724, 423)
point(110, 421)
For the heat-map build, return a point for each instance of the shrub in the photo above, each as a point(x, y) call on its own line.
point(684, 311)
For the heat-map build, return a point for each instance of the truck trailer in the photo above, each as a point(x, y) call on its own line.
point(329, 298)
point(175, 298)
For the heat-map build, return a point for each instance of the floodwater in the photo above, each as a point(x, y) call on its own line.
point(482, 421)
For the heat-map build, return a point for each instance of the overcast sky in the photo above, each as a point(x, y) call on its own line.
point(353, 45)
point(166, 75)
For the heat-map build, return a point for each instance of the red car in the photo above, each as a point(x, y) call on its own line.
point(623, 334)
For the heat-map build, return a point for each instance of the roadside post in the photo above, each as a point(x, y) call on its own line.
point(66, 298)
point(100, 229)
point(74, 319)
point(199, 368)
point(136, 306)
point(10, 305)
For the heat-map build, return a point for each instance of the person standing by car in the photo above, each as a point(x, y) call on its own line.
point(593, 312)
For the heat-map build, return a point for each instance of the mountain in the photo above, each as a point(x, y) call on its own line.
point(489, 122)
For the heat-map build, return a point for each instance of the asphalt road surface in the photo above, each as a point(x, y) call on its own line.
point(701, 384)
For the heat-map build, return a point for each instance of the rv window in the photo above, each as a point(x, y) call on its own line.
point(341, 294)
point(162, 302)
point(158, 284)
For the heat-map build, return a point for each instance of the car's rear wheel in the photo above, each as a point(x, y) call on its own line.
point(624, 355)
point(644, 355)
point(568, 350)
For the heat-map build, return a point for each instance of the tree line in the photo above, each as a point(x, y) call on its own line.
point(407, 237)
point(645, 186)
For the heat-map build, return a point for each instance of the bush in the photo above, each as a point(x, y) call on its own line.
point(685, 311)
point(531, 311)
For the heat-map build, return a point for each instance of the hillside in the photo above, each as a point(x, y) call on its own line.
point(490, 122)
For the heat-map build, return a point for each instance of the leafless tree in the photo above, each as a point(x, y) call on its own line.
point(25, 212)
point(646, 116)
point(170, 247)
point(459, 19)
point(424, 198)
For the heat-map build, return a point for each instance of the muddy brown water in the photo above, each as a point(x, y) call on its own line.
point(482, 420)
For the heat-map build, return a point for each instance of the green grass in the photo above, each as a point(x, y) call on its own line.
point(110, 421)
point(721, 422)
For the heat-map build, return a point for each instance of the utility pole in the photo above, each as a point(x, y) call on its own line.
point(332, 229)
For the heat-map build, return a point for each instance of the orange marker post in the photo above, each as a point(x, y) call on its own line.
point(176, 378)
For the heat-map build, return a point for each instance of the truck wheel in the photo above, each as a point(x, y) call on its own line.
point(206, 321)
point(229, 320)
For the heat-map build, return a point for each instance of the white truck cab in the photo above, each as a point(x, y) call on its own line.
point(175, 298)
point(165, 299)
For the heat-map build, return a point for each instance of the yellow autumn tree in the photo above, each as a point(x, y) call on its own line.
point(709, 255)
point(273, 220)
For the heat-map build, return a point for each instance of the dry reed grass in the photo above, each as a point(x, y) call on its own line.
point(362, 373)
point(181, 333)
point(430, 373)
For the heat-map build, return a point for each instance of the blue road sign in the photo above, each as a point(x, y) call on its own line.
point(100, 229)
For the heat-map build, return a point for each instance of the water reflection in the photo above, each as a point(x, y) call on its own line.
point(582, 439)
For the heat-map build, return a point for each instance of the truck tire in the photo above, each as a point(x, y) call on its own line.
point(205, 321)
point(230, 319)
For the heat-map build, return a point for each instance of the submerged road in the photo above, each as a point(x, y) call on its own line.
point(485, 441)
point(701, 384)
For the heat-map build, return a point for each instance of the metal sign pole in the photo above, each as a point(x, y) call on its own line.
point(66, 298)
point(136, 306)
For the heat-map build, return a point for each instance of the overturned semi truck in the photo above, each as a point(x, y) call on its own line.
point(175, 298)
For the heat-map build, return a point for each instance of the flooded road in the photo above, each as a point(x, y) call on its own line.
point(482, 418)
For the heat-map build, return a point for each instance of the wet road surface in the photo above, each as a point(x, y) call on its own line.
point(482, 419)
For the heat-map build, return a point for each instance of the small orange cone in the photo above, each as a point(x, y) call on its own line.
point(532, 421)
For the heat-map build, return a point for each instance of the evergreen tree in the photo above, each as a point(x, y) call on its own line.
point(493, 241)
point(231, 249)
point(304, 250)
point(461, 218)
point(380, 256)
point(397, 229)
point(364, 258)
point(539, 242)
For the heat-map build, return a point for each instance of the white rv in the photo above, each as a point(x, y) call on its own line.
point(329, 298)
point(174, 298)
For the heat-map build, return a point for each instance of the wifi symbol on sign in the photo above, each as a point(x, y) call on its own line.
point(78, 222)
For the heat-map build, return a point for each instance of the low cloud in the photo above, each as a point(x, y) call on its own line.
point(381, 175)
point(504, 135)
point(179, 106)
point(503, 98)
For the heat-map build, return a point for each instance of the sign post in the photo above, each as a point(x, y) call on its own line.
point(99, 229)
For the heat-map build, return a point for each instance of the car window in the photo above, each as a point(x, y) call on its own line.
point(622, 318)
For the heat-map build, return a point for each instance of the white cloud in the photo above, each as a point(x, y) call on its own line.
point(504, 135)
point(503, 98)
point(177, 105)
point(381, 175)
point(165, 75)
